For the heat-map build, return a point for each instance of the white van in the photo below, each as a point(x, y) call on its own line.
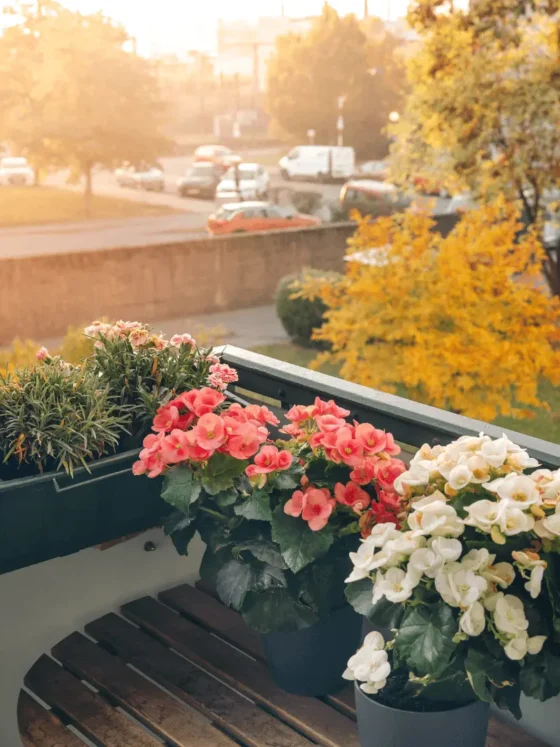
point(322, 162)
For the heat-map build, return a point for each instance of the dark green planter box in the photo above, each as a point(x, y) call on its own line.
point(48, 516)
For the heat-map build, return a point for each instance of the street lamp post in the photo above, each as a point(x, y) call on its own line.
point(340, 122)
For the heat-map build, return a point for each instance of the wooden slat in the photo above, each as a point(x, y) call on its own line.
point(309, 715)
point(502, 734)
point(102, 724)
point(199, 604)
point(135, 694)
point(40, 728)
point(215, 616)
point(231, 711)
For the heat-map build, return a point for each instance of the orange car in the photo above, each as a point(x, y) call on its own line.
point(241, 217)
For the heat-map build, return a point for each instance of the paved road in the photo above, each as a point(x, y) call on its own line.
point(190, 222)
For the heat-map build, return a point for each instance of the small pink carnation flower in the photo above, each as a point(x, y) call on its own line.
point(42, 354)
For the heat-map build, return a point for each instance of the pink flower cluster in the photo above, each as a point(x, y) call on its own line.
point(368, 451)
point(189, 429)
point(138, 335)
point(221, 375)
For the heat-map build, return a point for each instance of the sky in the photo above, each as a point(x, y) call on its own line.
point(169, 26)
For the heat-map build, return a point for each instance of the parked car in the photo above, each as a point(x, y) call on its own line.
point(16, 172)
point(216, 154)
point(372, 198)
point(244, 181)
point(142, 176)
point(242, 217)
point(321, 162)
point(201, 180)
point(378, 170)
point(426, 185)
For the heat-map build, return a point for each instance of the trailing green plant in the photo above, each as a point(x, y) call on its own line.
point(143, 371)
point(301, 315)
point(55, 416)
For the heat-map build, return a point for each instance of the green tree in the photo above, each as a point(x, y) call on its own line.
point(337, 57)
point(484, 106)
point(74, 93)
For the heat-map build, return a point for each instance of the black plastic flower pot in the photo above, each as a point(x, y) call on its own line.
point(382, 726)
point(51, 515)
point(311, 661)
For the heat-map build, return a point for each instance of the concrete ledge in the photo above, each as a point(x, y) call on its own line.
point(40, 296)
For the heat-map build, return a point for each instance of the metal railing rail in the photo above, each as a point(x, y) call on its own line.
point(410, 422)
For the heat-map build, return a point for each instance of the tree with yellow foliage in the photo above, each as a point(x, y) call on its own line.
point(484, 107)
point(461, 322)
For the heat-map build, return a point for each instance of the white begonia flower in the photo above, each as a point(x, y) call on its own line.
point(491, 600)
point(440, 550)
point(516, 649)
point(495, 452)
point(534, 584)
point(535, 644)
point(448, 548)
point(483, 514)
point(471, 444)
point(381, 533)
point(543, 476)
point(433, 516)
point(509, 615)
point(549, 527)
point(477, 560)
point(520, 460)
point(363, 561)
point(519, 490)
point(458, 586)
point(500, 574)
point(426, 454)
point(459, 477)
point(417, 476)
point(514, 521)
point(395, 585)
point(370, 664)
point(473, 621)
point(479, 468)
point(550, 491)
point(449, 459)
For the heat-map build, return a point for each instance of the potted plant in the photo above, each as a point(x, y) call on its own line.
point(278, 519)
point(66, 438)
point(469, 588)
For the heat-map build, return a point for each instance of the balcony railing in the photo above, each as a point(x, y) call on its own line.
point(411, 423)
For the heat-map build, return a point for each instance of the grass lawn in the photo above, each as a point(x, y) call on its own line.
point(544, 425)
point(27, 205)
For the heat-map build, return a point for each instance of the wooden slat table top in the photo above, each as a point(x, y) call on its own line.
point(186, 671)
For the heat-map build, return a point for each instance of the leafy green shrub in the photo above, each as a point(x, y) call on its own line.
point(300, 316)
point(54, 416)
point(143, 371)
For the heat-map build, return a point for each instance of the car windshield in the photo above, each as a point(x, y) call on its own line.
point(226, 213)
point(201, 169)
point(245, 172)
point(11, 163)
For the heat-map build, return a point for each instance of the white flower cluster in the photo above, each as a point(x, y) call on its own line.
point(370, 664)
point(429, 551)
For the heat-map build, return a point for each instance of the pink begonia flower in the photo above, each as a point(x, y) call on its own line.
point(390, 500)
point(293, 430)
point(329, 423)
point(386, 472)
point(295, 505)
point(201, 401)
point(262, 414)
point(298, 413)
point(151, 459)
point(236, 412)
point(197, 453)
point(391, 447)
point(285, 460)
point(316, 440)
point(328, 408)
point(352, 495)
point(177, 340)
point(349, 448)
point(138, 337)
point(166, 419)
point(244, 443)
point(176, 447)
point(210, 431)
point(42, 354)
point(318, 507)
point(269, 459)
point(363, 472)
point(372, 439)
